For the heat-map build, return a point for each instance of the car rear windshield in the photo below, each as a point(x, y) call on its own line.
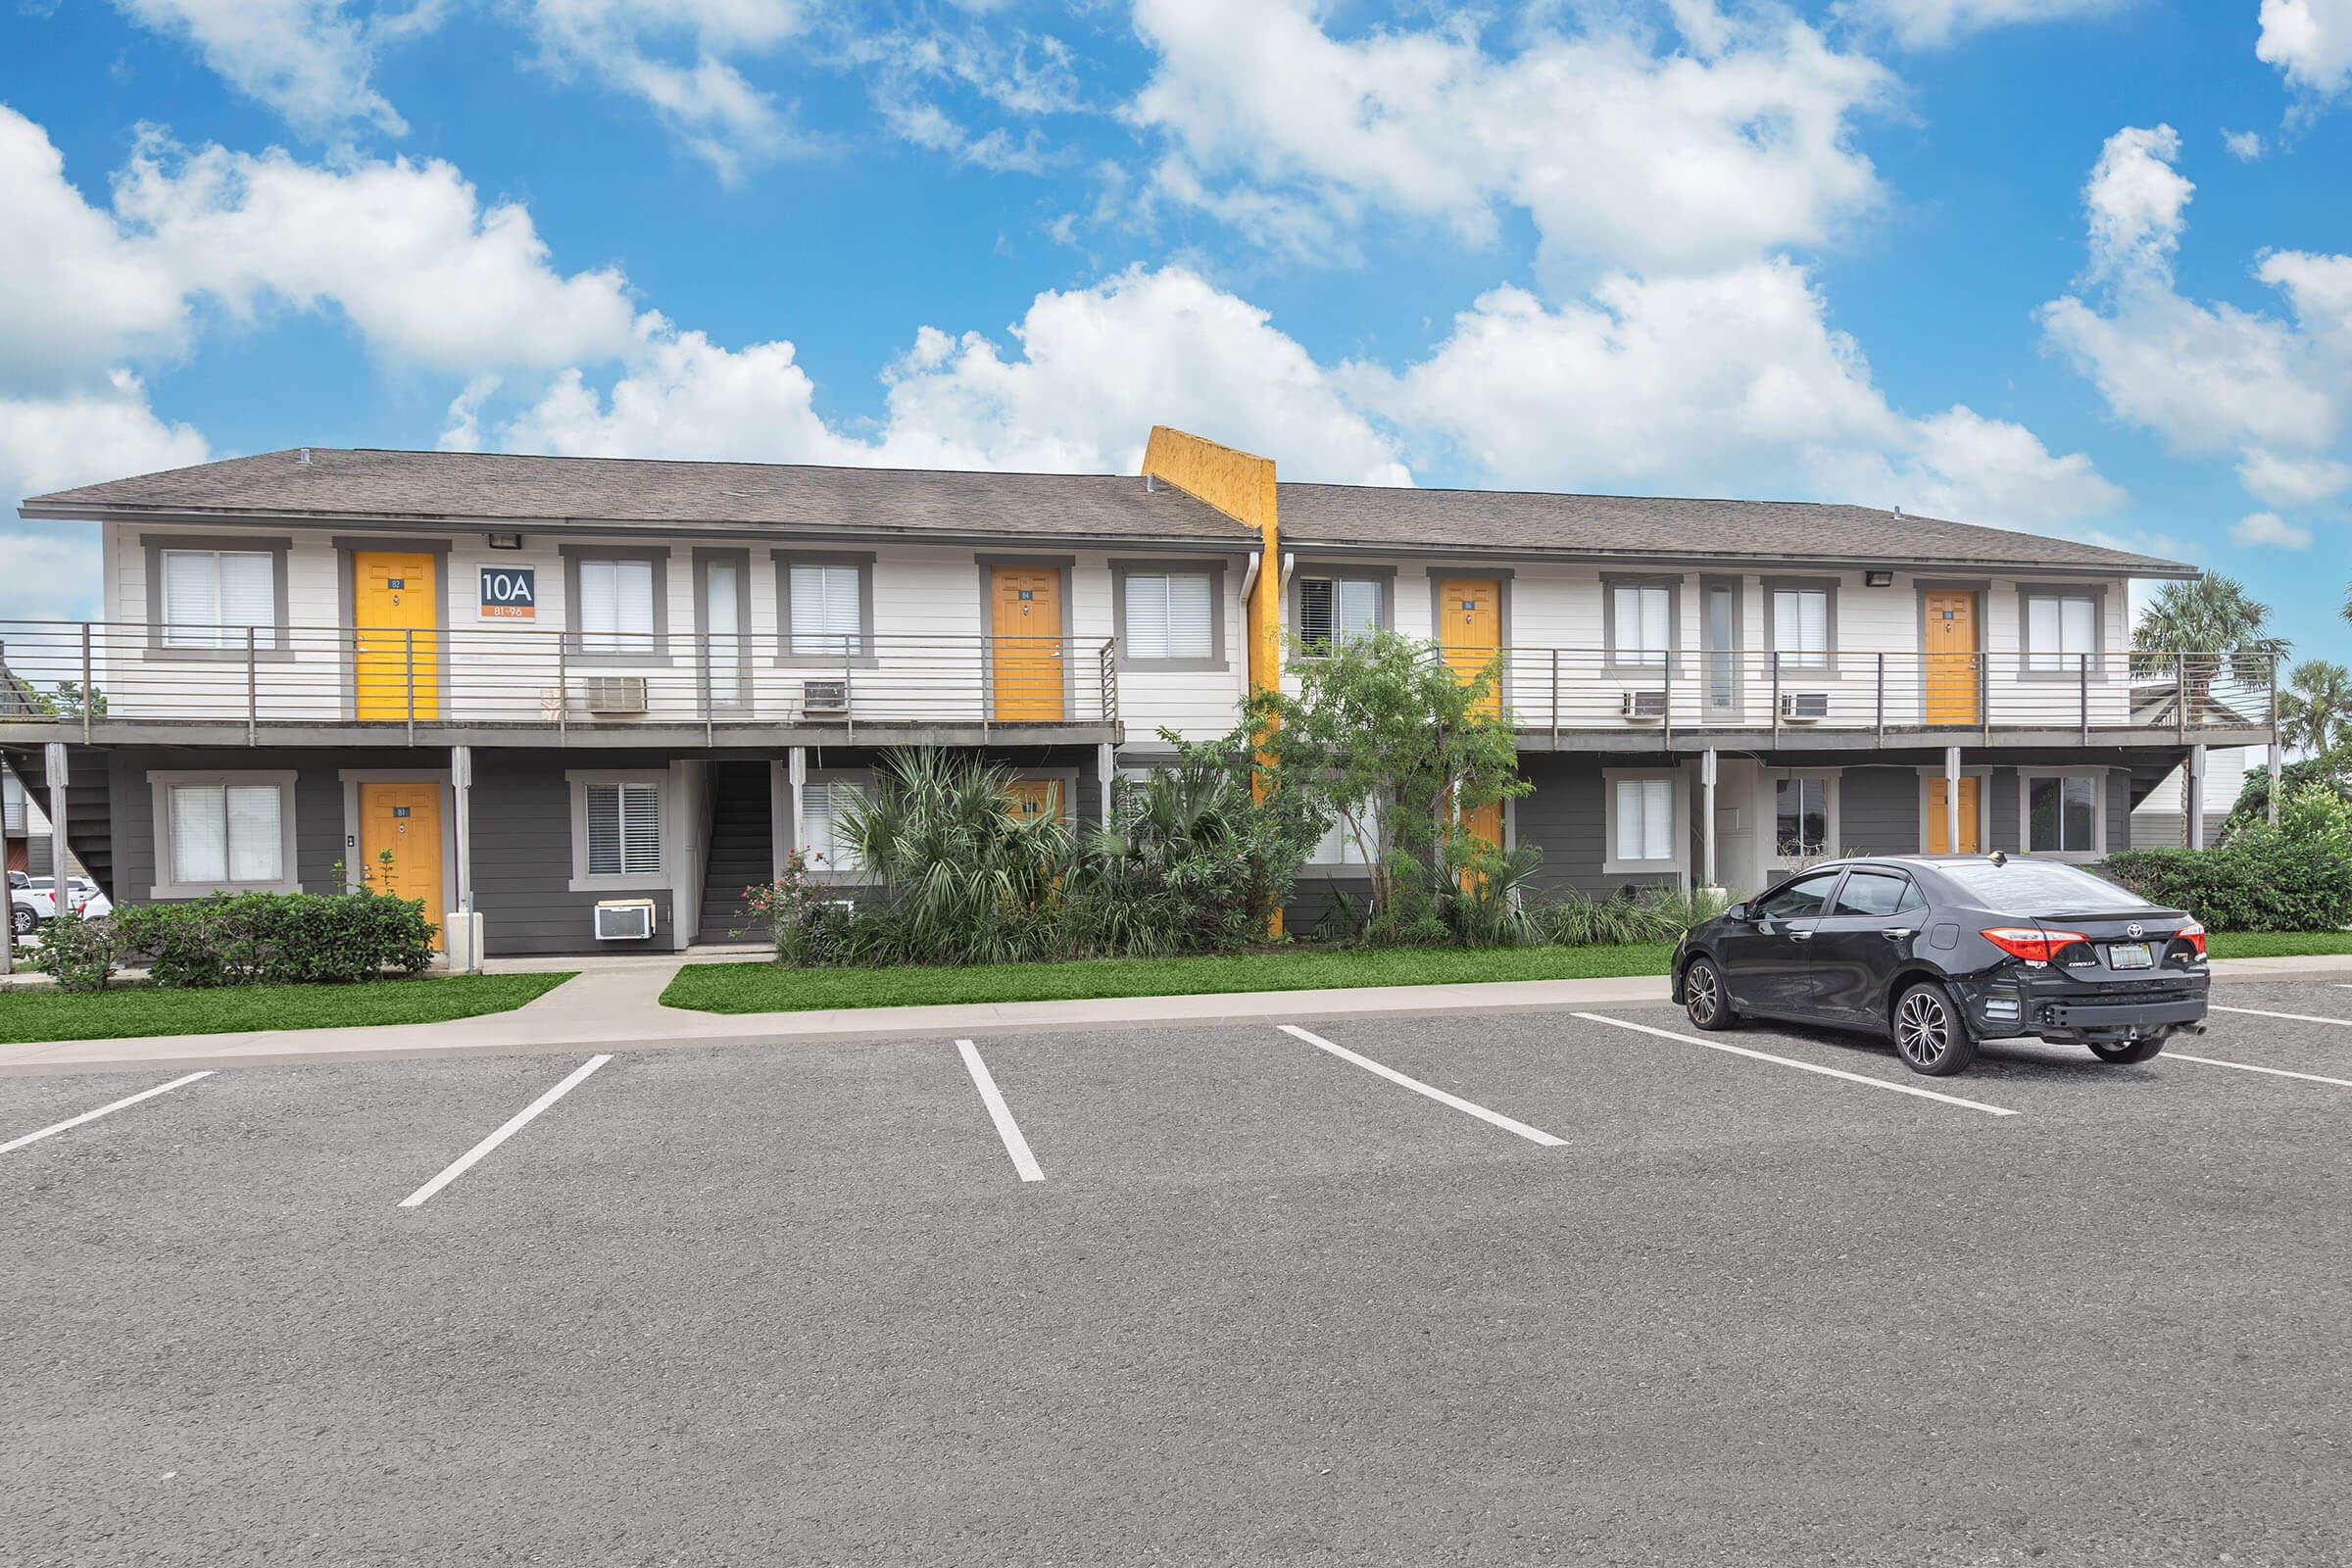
point(2041, 886)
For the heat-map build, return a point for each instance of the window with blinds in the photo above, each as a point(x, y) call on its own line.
point(825, 807)
point(1169, 615)
point(1333, 609)
point(723, 649)
point(1800, 627)
point(827, 609)
point(2059, 631)
point(1645, 819)
point(616, 611)
point(1339, 846)
point(226, 835)
point(624, 829)
point(211, 597)
point(1640, 623)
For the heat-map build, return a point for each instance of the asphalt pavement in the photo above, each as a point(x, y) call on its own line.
point(1276, 1298)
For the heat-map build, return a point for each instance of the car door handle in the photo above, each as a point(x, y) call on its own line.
point(1800, 936)
point(1899, 933)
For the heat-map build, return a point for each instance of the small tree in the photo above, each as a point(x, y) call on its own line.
point(1398, 750)
point(2220, 627)
point(2316, 708)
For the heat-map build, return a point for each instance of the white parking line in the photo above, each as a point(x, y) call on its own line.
point(1803, 1066)
point(514, 1124)
point(1534, 1135)
point(101, 1111)
point(2296, 1018)
point(1001, 1113)
point(2275, 1072)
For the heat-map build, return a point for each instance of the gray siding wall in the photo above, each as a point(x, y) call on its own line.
point(318, 806)
point(1878, 812)
point(1567, 818)
point(522, 857)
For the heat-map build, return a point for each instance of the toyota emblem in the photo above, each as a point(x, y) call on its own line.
point(2135, 929)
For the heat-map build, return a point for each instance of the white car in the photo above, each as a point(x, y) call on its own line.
point(33, 899)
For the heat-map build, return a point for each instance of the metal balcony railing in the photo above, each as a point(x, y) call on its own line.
point(261, 678)
point(2187, 694)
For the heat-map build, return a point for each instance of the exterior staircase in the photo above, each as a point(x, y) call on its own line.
point(742, 854)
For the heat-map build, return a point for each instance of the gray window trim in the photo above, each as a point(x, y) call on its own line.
point(2026, 592)
point(275, 546)
point(1610, 582)
point(160, 784)
point(1123, 568)
point(1341, 569)
point(575, 783)
point(783, 561)
point(347, 614)
point(741, 560)
point(574, 655)
point(1832, 668)
point(2027, 777)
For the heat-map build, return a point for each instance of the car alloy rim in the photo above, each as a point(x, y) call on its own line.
point(1701, 984)
point(1922, 1028)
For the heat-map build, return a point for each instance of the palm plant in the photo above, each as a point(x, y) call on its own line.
point(2315, 711)
point(2210, 631)
point(1190, 864)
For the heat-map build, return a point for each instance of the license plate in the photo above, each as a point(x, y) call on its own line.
point(2131, 956)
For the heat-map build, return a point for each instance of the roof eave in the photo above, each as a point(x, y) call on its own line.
point(2129, 566)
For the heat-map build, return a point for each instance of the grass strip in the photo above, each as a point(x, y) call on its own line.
point(46, 1015)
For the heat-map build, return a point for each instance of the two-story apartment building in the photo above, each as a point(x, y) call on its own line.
point(584, 696)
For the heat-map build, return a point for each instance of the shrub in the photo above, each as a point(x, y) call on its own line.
point(78, 954)
point(1192, 862)
point(2296, 876)
point(1659, 915)
point(248, 939)
point(806, 922)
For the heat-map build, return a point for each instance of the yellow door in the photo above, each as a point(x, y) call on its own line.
point(1035, 797)
point(1951, 658)
point(1470, 627)
point(405, 819)
point(1025, 623)
point(396, 616)
point(1938, 819)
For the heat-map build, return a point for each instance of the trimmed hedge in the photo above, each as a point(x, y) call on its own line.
point(255, 939)
point(2296, 876)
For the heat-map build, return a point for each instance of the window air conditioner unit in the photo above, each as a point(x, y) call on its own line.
point(1804, 708)
point(615, 694)
point(625, 919)
point(822, 697)
point(1642, 704)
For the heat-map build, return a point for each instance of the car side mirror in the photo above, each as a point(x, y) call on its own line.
point(1737, 911)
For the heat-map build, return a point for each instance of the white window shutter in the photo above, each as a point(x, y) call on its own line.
point(1318, 609)
point(248, 593)
point(2078, 625)
point(1657, 820)
point(199, 835)
point(1189, 607)
point(1147, 616)
point(1359, 607)
point(826, 615)
point(599, 610)
point(191, 598)
point(633, 588)
point(641, 829)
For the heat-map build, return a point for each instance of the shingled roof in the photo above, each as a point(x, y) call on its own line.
point(474, 486)
point(1538, 521)
point(462, 487)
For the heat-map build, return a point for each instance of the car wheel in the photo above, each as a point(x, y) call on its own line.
point(2125, 1051)
point(22, 920)
point(1704, 998)
point(1929, 1032)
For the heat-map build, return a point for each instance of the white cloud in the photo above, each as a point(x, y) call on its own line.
point(1935, 24)
point(2246, 146)
point(2269, 530)
point(2137, 203)
point(310, 60)
point(1701, 156)
point(679, 58)
point(2310, 41)
point(2286, 481)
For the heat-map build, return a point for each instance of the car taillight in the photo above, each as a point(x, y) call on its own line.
point(2193, 934)
point(2029, 942)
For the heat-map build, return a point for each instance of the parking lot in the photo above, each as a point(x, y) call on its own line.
point(1574, 1288)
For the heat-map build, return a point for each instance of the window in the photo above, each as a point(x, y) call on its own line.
point(210, 597)
point(2062, 814)
point(722, 627)
point(825, 605)
point(1800, 627)
point(1333, 609)
point(1642, 823)
point(1806, 896)
point(1804, 817)
point(825, 808)
point(1170, 614)
point(616, 612)
point(2051, 890)
point(1875, 893)
point(1641, 623)
point(624, 829)
point(1338, 844)
point(2060, 631)
point(226, 835)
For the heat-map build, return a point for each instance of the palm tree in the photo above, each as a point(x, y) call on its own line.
point(2315, 711)
point(2212, 629)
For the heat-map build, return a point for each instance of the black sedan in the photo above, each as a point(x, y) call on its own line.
point(1939, 953)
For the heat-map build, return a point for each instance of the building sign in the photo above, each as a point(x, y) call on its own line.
point(510, 592)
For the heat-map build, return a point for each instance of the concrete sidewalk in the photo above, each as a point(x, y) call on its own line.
point(618, 1007)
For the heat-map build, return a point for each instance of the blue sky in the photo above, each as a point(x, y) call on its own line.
point(2066, 265)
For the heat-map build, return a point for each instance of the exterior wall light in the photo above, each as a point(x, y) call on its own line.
point(506, 541)
point(1879, 580)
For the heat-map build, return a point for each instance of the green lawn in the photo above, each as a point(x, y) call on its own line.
point(2277, 944)
point(767, 988)
point(146, 1010)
